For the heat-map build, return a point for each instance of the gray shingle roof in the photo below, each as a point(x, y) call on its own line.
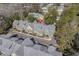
point(40, 28)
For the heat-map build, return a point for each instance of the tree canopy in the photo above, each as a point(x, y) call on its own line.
point(51, 16)
point(66, 31)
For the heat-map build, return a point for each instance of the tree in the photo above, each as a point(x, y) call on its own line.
point(65, 37)
point(68, 14)
point(5, 24)
point(35, 7)
point(66, 31)
point(25, 14)
point(51, 16)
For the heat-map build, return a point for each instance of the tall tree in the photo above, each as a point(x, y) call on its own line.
point(51, 16)
point(35, 7)
point(65, 31)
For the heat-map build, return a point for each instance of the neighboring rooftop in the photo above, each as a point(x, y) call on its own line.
point(25, 48)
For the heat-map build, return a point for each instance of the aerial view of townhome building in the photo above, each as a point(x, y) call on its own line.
point(39, 29)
